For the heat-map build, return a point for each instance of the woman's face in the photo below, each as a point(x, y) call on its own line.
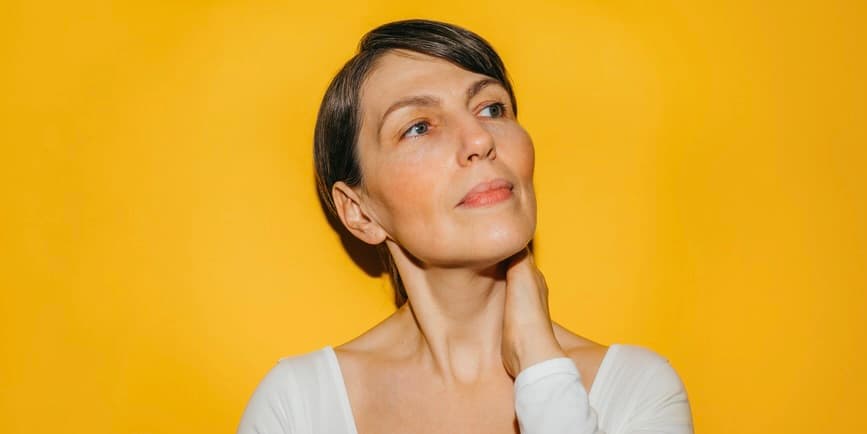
point(447, 170)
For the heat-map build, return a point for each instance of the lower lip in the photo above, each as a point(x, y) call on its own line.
point(489, 197)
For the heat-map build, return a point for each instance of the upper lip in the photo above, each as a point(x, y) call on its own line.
point(487, 186)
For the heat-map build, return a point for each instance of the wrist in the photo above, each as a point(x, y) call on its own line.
point(529, 355)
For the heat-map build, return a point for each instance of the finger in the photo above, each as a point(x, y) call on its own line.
point(524, 253)
point(520, 263)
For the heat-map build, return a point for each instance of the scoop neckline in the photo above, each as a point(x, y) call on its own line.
point(346, 409)
point(346, 406)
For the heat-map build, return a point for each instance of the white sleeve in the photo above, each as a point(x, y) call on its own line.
point(549, 399)
point(267, 411)
point(662, 406)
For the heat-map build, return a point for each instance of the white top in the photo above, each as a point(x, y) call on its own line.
point(635, 391)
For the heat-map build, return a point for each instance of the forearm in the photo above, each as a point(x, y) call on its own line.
point(549, 399)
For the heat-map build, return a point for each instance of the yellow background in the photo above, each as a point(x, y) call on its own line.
point(700, 176)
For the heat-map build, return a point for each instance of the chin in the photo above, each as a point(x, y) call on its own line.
point(490, 248)
point(480, 246)
point(503, 247)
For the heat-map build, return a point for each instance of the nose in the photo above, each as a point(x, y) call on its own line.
point(477, 143)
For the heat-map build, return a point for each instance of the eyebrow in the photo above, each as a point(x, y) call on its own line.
point(428, 100)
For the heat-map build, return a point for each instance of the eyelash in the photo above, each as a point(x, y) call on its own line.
point(404, 135)
point(502, 107)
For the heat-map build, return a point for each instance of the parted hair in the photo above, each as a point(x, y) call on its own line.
point(335, 152)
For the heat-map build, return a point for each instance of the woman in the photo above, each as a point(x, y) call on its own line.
point(418, 151)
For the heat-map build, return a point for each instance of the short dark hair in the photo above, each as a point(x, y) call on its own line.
point(337, 124)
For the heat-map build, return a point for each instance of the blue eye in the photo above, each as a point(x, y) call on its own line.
point(495, 110)
point(417, 129)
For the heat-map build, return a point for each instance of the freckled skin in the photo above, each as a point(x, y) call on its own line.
point(418, 180)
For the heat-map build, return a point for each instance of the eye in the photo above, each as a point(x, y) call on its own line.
point(417, 129)
point(495, 110)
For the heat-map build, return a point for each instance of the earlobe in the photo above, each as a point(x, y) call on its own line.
point(353, 216)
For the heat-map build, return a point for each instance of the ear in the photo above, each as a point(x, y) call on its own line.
point(352, 214)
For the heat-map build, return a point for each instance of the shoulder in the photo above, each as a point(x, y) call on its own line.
point(585, 353)
point(622, 370)
point(642, 383)
point(642, 373)
point(281, 397)
point(637, 356)
point(606, 361)
point(638, 369)
point(292, 373)
point(639, 365)
point(575, 344)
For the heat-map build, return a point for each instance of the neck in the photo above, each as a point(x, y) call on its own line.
point(454, 319)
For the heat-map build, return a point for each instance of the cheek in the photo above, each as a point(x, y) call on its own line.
point(515, 147)
point(406, 190)
point(518, 154)
point(528, 155)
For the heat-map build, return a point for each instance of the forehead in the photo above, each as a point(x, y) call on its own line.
point(401, 73)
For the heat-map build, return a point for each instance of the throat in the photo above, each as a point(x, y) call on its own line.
point(458, 346)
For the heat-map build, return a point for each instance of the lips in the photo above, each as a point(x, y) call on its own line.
point(487, 193)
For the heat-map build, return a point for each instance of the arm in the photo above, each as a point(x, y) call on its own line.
point(549, 395)
point(550, 398)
